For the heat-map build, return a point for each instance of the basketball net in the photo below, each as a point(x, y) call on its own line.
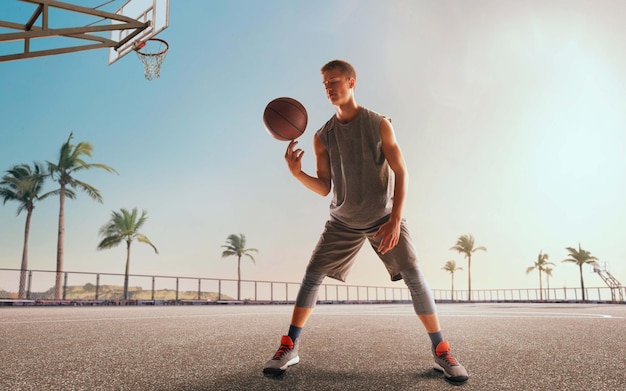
point(151, 53)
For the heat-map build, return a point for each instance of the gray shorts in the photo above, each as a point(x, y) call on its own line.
point(338, 246)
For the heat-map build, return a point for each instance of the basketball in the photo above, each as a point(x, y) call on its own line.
point(285, 119)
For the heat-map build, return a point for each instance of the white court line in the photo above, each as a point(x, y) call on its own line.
point(480, 314)
point(555, 315)
point(118, 318)
point(491, 315)
point(330, 311)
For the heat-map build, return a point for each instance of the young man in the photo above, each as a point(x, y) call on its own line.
point(358, 157)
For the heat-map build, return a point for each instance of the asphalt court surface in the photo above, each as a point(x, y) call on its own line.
point(344, 347)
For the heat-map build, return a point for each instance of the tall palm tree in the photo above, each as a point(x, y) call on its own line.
point(23, 183)
point(71, 162)
point(236, 245)
point(540, 265)
point(581, 257)
point(465, 245)
point(124, 227)
point(451, 268)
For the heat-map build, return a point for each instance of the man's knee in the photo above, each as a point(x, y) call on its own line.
point(307, 295)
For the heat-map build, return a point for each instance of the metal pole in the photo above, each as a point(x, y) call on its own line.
point(271, 292)
point(255, 291)
point(97, 286)
point(153, 288)
point(199, 288)
point(30, 280)
point(219, 290)
point(176, 288)
point(64, 285)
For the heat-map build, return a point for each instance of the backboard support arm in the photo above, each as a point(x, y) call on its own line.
point(29, 31)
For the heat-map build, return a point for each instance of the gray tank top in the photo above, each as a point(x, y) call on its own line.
point(361, 177)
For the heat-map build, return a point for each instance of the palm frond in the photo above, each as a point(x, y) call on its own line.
point(110, 242)
point(465, 245)
point(236, 245)
point(123, 226)
point(144, 239)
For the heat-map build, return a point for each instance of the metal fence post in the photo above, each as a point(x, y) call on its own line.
point(199, 287)
point(219, 290)
point(64, 285)
point(176, 288)
point(30, 280)
point(152, 288)
point(97, 286)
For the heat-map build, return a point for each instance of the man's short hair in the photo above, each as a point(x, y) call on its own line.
point(346, 68)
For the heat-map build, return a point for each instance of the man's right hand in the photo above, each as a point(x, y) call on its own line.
point(293, 157)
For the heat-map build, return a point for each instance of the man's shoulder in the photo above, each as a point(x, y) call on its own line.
point(321, 132)
point(373, 114)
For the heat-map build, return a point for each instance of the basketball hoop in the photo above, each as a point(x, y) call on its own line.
point(151, 52)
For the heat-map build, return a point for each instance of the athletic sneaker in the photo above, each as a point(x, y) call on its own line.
point(446, 363)
point(286, 356)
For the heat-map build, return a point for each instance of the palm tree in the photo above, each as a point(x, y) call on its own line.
point(465, 245)
point(124, 227)
point(236, 245)
point(451, 268)
point(70, 162)
point(540, 264)
point(581, 257)
point(23, 183)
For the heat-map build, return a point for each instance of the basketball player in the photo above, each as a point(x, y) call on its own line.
point(358, 157)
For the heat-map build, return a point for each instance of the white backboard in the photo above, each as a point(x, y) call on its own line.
point(155, 11)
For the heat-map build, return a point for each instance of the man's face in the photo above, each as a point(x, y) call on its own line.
point(337, 86)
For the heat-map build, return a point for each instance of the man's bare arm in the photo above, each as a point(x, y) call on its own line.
point(319, 184)
point(390, 231)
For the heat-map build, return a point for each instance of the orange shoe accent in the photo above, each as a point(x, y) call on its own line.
point(286, 344)
point(443, 351)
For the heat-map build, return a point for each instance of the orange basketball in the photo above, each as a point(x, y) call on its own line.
point(285, 119)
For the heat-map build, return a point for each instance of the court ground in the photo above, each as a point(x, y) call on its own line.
point(344, 347)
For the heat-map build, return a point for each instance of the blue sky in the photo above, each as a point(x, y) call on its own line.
point(510, 116)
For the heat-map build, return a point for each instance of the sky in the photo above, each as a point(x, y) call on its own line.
point(510, 116)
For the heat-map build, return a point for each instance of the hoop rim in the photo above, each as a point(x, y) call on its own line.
point(138, 48)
